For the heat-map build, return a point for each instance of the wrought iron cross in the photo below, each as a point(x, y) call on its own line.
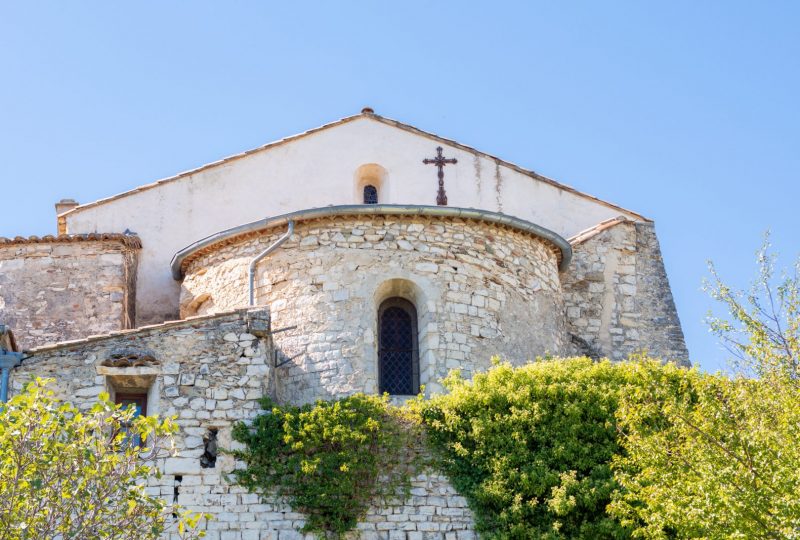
point(440, 162)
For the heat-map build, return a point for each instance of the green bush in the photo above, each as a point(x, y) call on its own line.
point(531, 447)
point(708, 456)
point(327, 457)
point(717, 457)
point(73, 474)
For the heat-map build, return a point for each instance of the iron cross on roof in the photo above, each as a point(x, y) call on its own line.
point(440, 162)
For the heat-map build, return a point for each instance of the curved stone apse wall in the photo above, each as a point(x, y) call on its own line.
point(479, 289)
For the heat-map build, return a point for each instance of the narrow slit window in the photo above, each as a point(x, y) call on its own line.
point(209, 458)
point(398, 356)
point(370, 194)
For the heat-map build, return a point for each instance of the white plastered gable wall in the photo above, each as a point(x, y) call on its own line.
point(315, 170)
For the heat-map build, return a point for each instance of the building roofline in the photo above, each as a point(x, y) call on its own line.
point(185, 255)
point(129, 240)
point(591, 232)
point(347, 119)
point(233, 314)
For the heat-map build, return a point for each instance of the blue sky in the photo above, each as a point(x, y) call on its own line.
point(684, 111)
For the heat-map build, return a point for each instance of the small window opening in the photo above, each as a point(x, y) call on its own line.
point(176, 491)
point(370, 194)
point(139, 402)
point(209, 458)
point(398, 357)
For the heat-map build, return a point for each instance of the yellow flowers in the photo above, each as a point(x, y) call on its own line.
point(327, 457)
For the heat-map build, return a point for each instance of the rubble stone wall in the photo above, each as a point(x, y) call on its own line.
point(210, 372)
point(479, 290)
point(52, 291)
point(618, 299)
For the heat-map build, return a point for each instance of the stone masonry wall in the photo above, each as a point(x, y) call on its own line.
point(479, 290)
point(210, 372)
point(617, 295)
point(67, 287)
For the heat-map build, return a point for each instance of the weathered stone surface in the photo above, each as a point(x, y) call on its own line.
point(479, 290)
point(618, 299)
point(57, 291)
point(224, 393)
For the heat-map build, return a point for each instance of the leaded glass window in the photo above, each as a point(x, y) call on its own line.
point(370, 194)
point(397, 351)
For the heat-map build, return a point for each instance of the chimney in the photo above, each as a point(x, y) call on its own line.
point(64, 205)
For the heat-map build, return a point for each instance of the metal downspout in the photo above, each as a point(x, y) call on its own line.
point(275, 245)
point(4, 384)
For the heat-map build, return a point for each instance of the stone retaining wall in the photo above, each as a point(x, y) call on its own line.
point(479, 290)
point(68, 287)
point(210, 372)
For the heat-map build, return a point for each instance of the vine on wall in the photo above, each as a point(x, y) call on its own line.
point(331, 459)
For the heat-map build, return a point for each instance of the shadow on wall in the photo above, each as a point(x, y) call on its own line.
point(397, 355)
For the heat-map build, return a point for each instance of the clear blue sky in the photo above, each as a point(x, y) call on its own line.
point(684, 111)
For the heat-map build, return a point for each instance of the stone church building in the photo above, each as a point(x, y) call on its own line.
point(362, 256)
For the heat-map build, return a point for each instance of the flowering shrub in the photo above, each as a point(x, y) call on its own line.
point(331, 459)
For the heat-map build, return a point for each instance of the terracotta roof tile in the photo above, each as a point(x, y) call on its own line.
point(129, 240)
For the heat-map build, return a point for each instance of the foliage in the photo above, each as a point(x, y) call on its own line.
point(327, 457)
point(763, 332)
point(530, 447)
point(77, 475)
point(707, 456)
point(715, 457)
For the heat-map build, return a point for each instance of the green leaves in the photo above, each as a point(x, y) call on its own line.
point(530, 447)
point(327, 457)
point(709, 457)
point(71, 475)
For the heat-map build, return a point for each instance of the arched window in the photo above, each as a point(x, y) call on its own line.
point(370, 194)
point(398, 359)
point(369, 184)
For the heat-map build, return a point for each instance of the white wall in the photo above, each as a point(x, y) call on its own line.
point(313, 171)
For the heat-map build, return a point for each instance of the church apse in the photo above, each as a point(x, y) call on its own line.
point(487, 288)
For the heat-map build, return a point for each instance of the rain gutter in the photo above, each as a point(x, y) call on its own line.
point(375, 210)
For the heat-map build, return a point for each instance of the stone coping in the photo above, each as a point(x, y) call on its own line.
point(591, 232)
point(234, 314)
point(183, 257)
point(128, 240)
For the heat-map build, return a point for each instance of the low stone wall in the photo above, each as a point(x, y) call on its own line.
point(479, 290)
point(60, 288)
point(617, 295)
point(210, 372)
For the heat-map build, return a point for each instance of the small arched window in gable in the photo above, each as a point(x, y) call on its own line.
point(398, 356)
point(370, 184)
point(370, 194)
